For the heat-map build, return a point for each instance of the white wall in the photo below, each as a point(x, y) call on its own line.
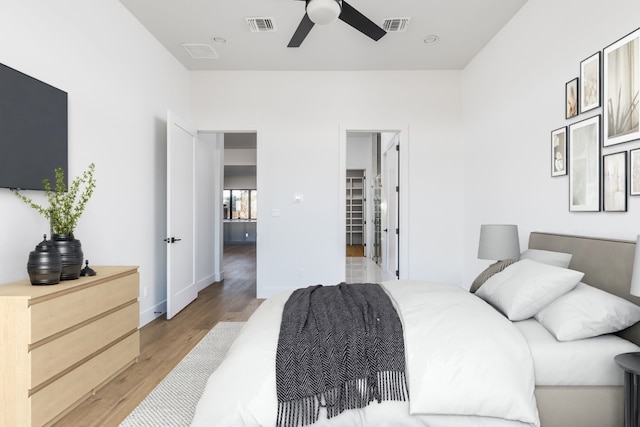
point(360, 151)
point(120, 82)
point(298, 142)
point(513, 99)
point(209, 154)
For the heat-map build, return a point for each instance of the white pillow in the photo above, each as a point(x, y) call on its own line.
point(559, 259)
point(587, 312)
point(521, 290)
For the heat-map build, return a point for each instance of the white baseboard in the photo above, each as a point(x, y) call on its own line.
point(160, 309)
point(269, 292)
point(153, 313)
point(206, 281)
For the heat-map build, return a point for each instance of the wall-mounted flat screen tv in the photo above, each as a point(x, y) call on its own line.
point(33, 131)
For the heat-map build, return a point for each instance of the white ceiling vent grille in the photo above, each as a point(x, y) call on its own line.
point(200, 51)
point(395, 25)
point(261, 25)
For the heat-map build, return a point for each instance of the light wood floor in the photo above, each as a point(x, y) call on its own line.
point(163, 343)
point(355, 250)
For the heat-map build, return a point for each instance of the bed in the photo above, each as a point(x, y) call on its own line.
point(608, 265)
point(495, 372)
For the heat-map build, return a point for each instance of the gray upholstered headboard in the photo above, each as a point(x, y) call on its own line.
point(607, 264)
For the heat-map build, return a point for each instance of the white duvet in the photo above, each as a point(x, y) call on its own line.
point(467, 365)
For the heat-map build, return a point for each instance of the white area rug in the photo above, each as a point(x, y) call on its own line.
point(173, 401)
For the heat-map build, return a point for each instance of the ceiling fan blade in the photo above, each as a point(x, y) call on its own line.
point(360, 22)
point(301, 33)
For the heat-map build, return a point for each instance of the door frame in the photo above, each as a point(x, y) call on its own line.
point(403, 203)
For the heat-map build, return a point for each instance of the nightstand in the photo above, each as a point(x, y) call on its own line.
point(630, 362)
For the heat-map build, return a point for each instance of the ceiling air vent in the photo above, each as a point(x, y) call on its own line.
point(395, 25)
point(200, 51)
point(261, 25)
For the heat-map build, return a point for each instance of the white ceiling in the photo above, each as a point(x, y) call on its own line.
point(463, 26)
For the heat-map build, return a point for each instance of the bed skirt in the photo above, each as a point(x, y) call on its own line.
point(584, 406)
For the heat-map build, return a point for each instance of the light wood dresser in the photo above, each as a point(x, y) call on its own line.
point(60, 343)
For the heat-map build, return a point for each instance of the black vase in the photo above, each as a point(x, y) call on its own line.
point(45, 264)
point(71, 253)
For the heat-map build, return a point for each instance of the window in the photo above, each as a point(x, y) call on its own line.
point(240, 204)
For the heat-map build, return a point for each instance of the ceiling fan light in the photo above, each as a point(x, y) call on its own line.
point(323, 12)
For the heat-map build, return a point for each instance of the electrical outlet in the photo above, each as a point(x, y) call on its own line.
point(145, 291)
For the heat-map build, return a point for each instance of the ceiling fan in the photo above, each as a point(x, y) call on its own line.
point(323, 12)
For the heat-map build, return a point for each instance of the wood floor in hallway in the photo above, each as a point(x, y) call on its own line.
point(163, 343)
point(355, 250)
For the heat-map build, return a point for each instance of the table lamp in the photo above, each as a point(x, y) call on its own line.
point(500, 241)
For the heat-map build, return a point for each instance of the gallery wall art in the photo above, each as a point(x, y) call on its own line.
point(608, 88)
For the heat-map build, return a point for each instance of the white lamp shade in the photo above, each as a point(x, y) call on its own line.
point(635, 278)
point(499, 242)
point(323, 12)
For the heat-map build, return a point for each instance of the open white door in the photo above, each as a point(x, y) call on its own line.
point(389, 208)
point(181, 284)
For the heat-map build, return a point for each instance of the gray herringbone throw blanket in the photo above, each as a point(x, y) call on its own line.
point(340, 347)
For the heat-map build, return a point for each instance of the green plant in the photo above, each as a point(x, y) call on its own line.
point(65, 207)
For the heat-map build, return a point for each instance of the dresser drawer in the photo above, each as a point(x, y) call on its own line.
point(54, 357)
point(59, 313)
point(61, 394)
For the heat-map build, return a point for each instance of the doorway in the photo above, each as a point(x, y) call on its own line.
point(240, 196)
point(223, 156)
point(371, 206)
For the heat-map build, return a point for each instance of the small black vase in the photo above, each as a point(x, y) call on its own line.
point(45, 264)
point(71, 253)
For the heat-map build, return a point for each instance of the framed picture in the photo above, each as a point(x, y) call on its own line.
point(584, 165)
point(614, 182)
point(559, 152)
point(634, 168)
point(590, 83)
point(621, 90)
point(571, 98)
